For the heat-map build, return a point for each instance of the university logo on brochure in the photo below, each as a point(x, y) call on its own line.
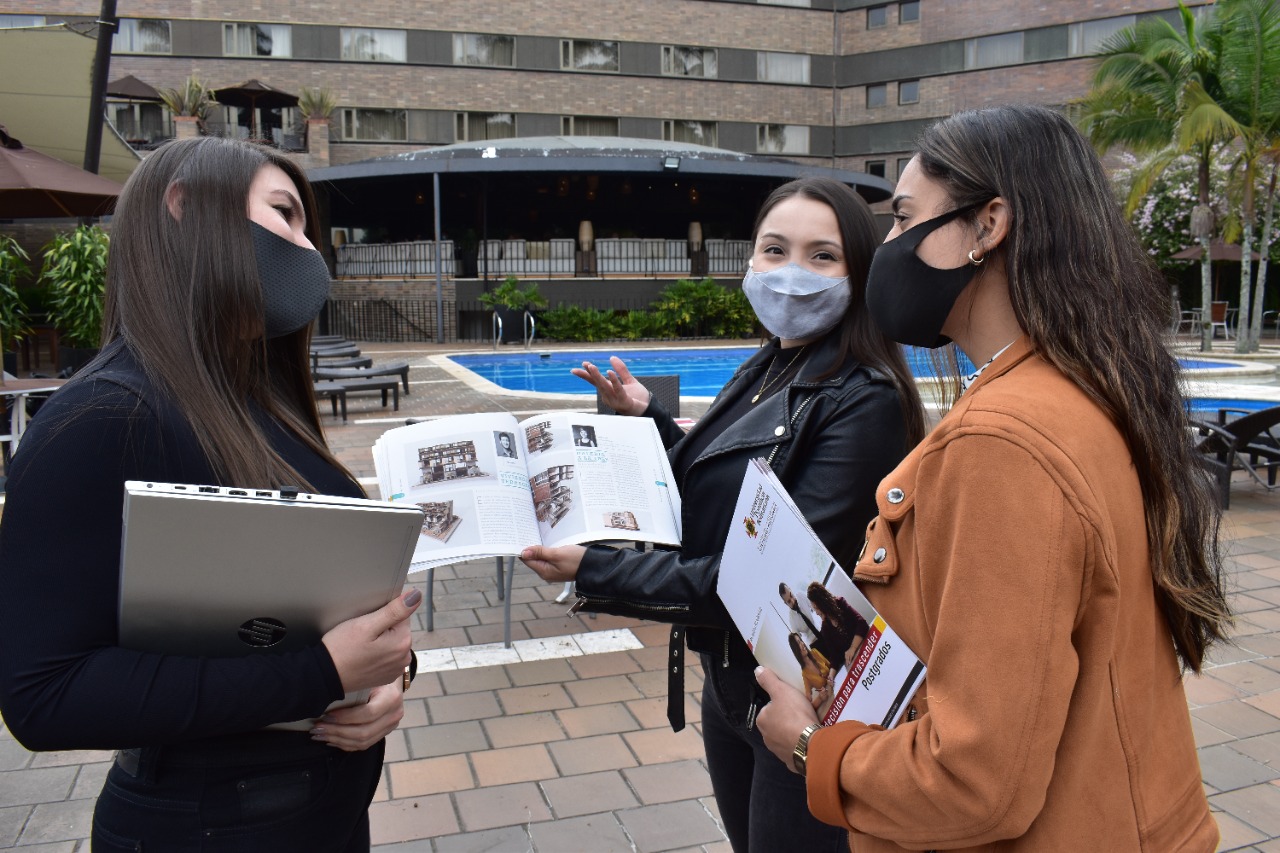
point(750, 524)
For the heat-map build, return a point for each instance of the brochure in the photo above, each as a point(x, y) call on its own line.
point(490, 485)
point(803, 617)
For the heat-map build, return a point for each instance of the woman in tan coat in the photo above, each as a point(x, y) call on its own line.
point(1050, 550)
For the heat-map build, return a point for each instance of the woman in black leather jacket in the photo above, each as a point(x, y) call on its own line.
point(832, 406)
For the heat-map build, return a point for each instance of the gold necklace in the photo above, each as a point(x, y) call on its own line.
point(765, 386)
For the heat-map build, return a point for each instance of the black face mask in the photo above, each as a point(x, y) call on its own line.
point(295, 281)
point(909, 299)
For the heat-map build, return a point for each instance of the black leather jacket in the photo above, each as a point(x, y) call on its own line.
point(830, 441)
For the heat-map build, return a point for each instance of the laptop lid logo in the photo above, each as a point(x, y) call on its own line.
point(262, 633)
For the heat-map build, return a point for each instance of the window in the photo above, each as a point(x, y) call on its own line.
point(373, 45)
point(1088, 37)
point(588, 126)
point(140, 123)
point(990, 51)
point(476, 127)
point(902, 165)
point(782, 139)
point(689, 61)
point(580, 55)
point(877, 95)
point(8, 22)
point(909, 92)
point(782, 67)
point(367, 125)
point(475, 49)
point(696, 132)
point(877, 17)
point(909, 13)
point(257, 40)
point(137, 36)
point(875, 167)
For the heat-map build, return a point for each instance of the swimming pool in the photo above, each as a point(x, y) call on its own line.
point(703, 372)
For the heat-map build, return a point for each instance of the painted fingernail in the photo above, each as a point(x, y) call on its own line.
point(318, 733)
point(412, 597)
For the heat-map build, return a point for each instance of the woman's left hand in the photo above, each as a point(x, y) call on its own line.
point(554, 565)
point(359, 727)
point(785, 716)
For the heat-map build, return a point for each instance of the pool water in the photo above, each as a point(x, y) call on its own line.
point(703, 372)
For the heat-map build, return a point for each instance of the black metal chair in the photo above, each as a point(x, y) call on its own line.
point(665, 388)
point(1249, 442)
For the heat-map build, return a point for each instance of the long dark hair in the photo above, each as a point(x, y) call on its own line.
point(824, 602)
point(184, 295)
point(860, 338)
point(1094, 305)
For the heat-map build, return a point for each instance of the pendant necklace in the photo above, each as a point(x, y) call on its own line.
point(767, 382)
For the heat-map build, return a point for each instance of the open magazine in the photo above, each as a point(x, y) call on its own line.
point(490, 485)
point(803, 617)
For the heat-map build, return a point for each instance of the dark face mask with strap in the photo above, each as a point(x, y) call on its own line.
point(909, 299)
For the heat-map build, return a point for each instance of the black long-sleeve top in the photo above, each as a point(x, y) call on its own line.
point(64, 683)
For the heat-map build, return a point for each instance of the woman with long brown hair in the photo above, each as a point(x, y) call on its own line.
point(831, 405)
point(1050, 550)
point(212, 284)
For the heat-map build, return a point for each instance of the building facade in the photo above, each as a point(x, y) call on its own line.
point(840, 83)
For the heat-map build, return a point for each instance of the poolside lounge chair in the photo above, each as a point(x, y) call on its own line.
point(1250, 442)
point(342, 374)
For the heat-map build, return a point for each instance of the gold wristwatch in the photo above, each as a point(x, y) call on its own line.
point(801, 752)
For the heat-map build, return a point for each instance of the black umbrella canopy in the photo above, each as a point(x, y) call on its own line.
point(254, 93)
point(130, 88)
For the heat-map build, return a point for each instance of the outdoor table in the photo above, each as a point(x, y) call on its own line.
point(18, 390)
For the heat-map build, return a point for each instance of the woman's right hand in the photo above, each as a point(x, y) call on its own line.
point(618, 389)
point(373, 650)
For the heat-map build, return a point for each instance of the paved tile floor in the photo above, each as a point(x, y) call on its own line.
point(574, 753)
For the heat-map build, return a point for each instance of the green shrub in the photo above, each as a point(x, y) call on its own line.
point(704, 308)
point(639, 325)
point(573, 323)
point(75, 271)
point(14, 316)
point(511, 295)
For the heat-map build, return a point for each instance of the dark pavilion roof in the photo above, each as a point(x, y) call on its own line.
point(593, 154)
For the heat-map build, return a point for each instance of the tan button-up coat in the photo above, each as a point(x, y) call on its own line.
point(1010, 553)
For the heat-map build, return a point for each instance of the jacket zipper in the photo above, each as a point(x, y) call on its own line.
point(656, 608)
point(794, 415)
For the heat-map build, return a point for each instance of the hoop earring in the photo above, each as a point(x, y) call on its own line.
point(977, 262)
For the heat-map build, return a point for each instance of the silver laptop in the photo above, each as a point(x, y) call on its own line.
point(219, 572)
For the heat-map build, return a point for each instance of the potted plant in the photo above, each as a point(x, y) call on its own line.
point(75, 273)
point(191, 103)
point(509, 301)
point(14, 317)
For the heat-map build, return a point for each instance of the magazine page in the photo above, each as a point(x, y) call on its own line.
point(600, 477)
point(467, 473)
point(803, 617)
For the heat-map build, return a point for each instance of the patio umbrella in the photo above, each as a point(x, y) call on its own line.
point(255, 95)
point(35, 185)
point(130, 88)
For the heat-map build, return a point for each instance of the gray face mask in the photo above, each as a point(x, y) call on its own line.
point(295, 281)
point(795, 303)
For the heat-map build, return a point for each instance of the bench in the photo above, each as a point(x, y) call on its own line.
point(337, 393)
point(354, 361)
point(375, 383)
point(342, 373)
point(317, 353)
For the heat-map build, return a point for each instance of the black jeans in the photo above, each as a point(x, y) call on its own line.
point(279, 799)
point(762, 803)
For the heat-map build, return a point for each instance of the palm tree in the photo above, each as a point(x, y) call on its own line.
point(1250, 69)
point(1156, 91)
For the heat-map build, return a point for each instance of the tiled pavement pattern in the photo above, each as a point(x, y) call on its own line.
point(574, 754)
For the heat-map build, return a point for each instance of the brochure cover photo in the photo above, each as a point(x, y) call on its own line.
point(803, 617)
